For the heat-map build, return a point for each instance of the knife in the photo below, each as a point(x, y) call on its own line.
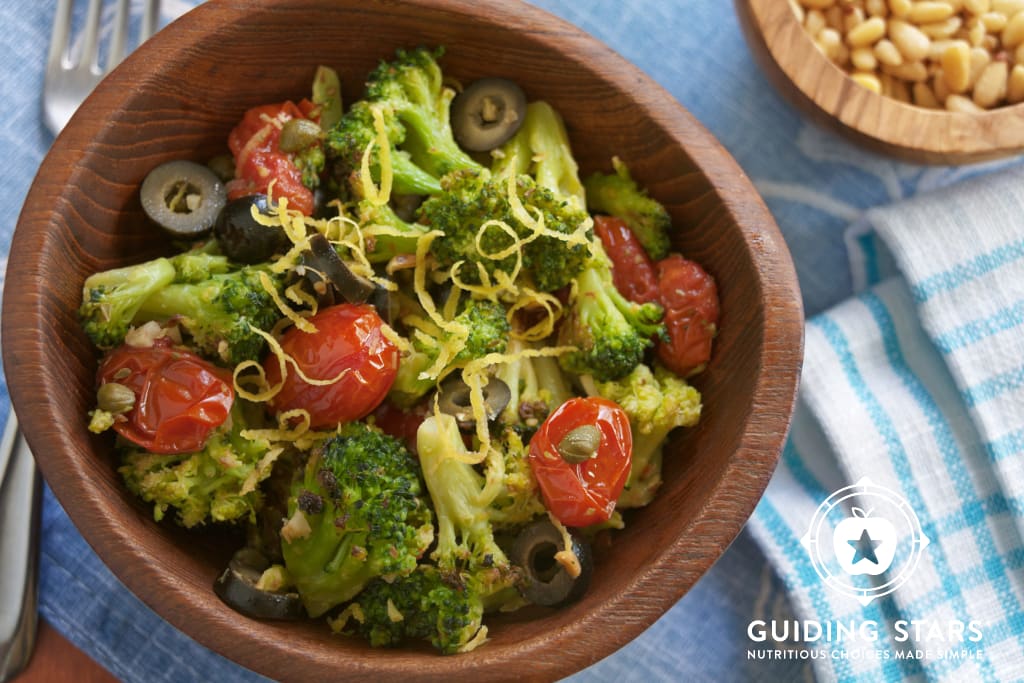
point(19, 547)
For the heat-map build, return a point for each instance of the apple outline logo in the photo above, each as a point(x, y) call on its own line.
point(848, 539)
point(916, 541)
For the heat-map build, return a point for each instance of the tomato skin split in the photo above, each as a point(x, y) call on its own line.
point(349, 344)
point(585, 493)
point(179, 397)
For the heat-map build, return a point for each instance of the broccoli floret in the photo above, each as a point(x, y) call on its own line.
point(218, 483)
point(488, 327)
point(310, 162)
point(518, 500)
point(462, 499)
point(346, 143)
point(618, 195)
point(112, 298)
point(425, 605)
point(357, 513)
point(471, 199)
point(200, 263)
point(656, 402)
point(413, 87)
point(610, 333)
point(536, 387)
point(220, 313)
point(218, 305)
point(540, 149)
point(408, 387)
point(382, 245)
point(445, 604)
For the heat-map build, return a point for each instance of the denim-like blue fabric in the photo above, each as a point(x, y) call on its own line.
point(814, 184)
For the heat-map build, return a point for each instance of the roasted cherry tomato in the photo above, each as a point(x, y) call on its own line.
point(632, 269)
point(690, 299)
point(254, 142)
point(581, 471)
point(260, 168)
point(179, 397)
point(348, 338)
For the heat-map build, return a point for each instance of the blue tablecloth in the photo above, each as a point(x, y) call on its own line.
point(814, 183)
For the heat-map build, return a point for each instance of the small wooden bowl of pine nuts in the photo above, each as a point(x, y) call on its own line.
point(929, 81)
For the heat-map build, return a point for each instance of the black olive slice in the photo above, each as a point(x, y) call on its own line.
point(183, 197)
point(321, 258)
point(453, 398)
point(237, 588)
point(487, 113)
point(547, 582)
point(386, 304)
point(241, 237)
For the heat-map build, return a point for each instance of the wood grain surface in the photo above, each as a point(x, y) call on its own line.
point(179, 96)
point(56, 660)
point(832, 99)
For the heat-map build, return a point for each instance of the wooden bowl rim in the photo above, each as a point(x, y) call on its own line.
point(944, 137)
point(744, 479)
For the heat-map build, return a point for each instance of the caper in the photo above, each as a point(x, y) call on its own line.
point(580, 444)
point(115, 398)
point(298, 134)
point(223, 166)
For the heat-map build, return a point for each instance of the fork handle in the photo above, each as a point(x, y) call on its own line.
point(19, 548)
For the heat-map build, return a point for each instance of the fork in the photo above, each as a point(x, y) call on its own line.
point(68, 80)
point(66, 83)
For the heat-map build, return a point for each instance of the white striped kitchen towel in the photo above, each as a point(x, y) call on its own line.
point(907, 453)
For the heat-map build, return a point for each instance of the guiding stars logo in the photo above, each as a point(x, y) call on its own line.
point(861, 532)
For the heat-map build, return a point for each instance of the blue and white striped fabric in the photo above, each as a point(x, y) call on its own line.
point(918, 383)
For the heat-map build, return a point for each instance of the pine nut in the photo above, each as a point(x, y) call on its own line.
point(1013, 34)
point(929, 12)
point(876, 8)
point(980, 58)
point(853, 18)
point(1008, 7)
point(956, 64)
point(942, 29)
point(990, 88)
point(912, 44)
point(901, 8)
point(977, 34)
point(913, 71)
point(959, 103)
point(868, 33)
point(961, 55)
point(829, 41)
point(1015, 86)
point(887, 53)
point(867, 80)
point(994, 22)
point(863, 59)
point(815, 22)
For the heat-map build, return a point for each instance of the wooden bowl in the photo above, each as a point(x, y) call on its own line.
point(180, 95)
point(826, 94)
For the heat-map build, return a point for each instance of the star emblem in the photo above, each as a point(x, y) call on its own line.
point(865, 547)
